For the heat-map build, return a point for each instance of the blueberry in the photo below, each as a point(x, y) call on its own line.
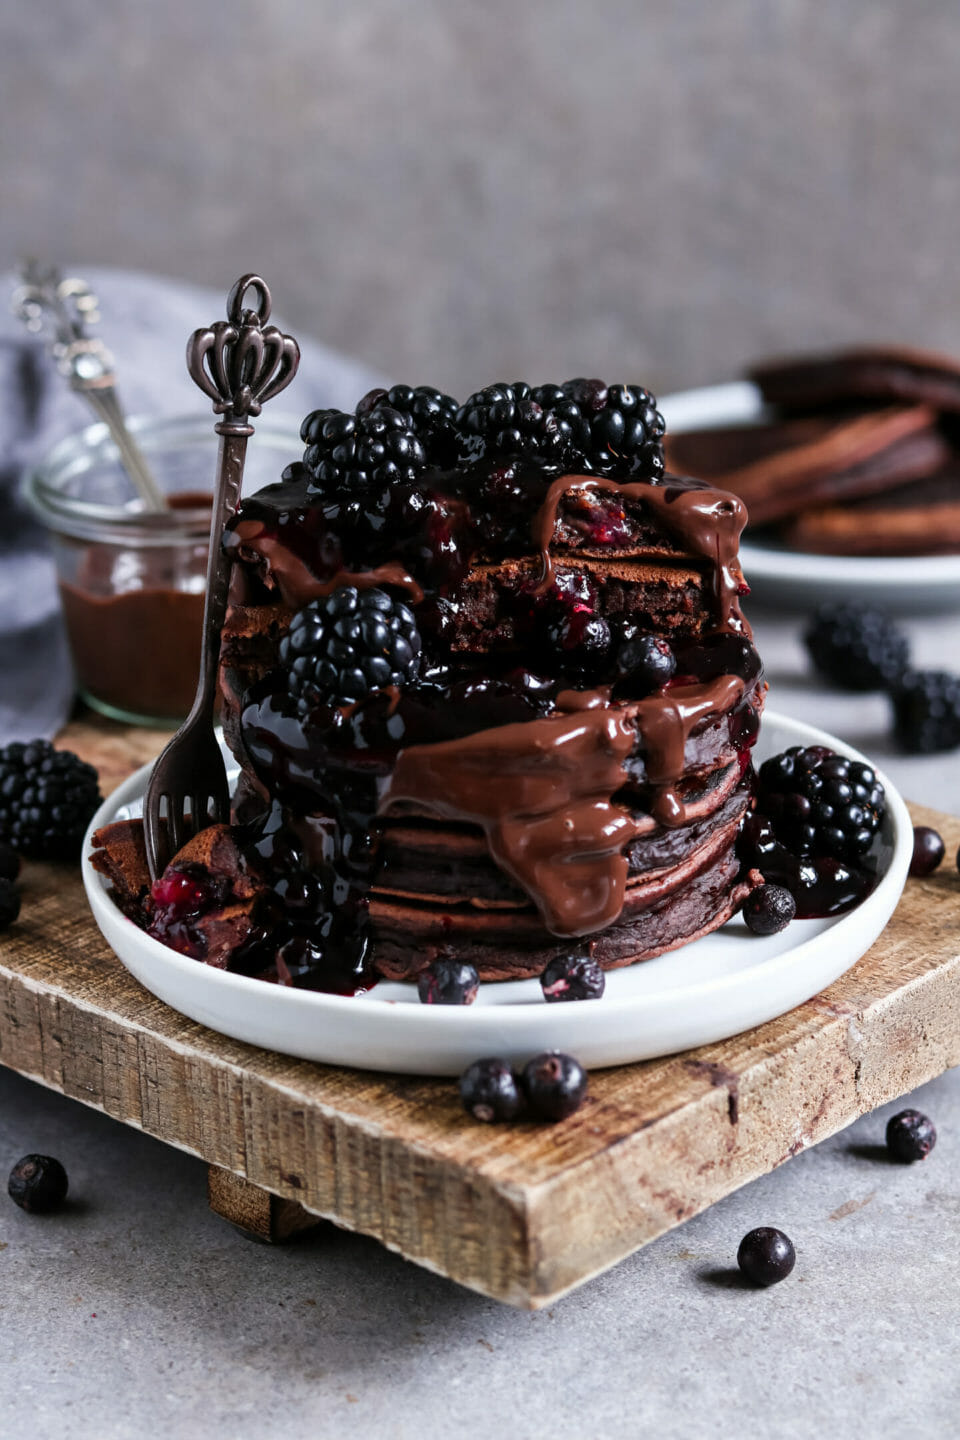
point(580, 640)
point(645, 663)
point(769, 909)
point(9, 863)
point(9, 903)
point(766, 1255)
point(928, 850)
point(448, 982)
point(910, 1136)
point(38, 1184)
point(554, 1084)
point(573, 977)
point(489, 1091)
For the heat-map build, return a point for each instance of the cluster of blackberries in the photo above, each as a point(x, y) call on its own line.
point(551, 1086)
point(396, 435)
point(47, 799)
point(347, 645)
point(857, 647)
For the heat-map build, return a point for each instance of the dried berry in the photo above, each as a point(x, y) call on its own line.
point(38, 1184)
point(928, 850)
point(766, 1255)
point(489, 1091)
point(769, 909)
point(910, 1136)
point(572, 977)
point(554, 1084)
point(448, 982)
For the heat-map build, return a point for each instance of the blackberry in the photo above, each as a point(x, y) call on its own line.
point(354, 452)
point(431, 413)
point(348, 644)
point(572, 977)
point(910, 1136)
point(47, 799)
point(856, 647)
point(820, 803)
point(541, 425)
point(448, 982)
point(644, 663)
point(926, 712)
point(9, 863)
point(626, 428)
point(554, 1085)
point(766, 1255)
point(769, 909)
point(9, 903)
point(928, 850)
point(38, 1184)
point(489, 1091)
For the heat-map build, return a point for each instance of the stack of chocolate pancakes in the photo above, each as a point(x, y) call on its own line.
point(859, 455)
point(525, 793)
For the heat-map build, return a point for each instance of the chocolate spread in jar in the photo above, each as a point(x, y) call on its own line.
point(134, 615)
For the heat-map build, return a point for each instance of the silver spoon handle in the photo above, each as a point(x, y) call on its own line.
point(60, 311)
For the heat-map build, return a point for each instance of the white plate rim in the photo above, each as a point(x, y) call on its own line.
point(452, 1024)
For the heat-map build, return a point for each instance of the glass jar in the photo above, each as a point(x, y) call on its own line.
point(132, 582)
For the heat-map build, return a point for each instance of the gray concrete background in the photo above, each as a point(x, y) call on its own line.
point(459, 192)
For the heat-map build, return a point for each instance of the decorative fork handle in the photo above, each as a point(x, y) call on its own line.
point(61, 310)
point(240, 363)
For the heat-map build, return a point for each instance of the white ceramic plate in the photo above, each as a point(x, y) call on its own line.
point(718, 986)
point(798, 580)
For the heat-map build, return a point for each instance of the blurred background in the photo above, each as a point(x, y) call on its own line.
point(457, 193)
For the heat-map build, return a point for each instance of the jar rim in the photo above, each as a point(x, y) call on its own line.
point(41, 484)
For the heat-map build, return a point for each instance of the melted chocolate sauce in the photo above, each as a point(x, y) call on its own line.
point(539, 766)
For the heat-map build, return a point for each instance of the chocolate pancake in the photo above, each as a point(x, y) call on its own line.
point(869, 372)
point(780, 469)
point(528, 787)
point(921, 518)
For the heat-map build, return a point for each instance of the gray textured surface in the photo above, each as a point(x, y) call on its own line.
point(137, 1312)
point(466, 192)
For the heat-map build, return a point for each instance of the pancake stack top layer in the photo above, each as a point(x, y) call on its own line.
point(562, 761)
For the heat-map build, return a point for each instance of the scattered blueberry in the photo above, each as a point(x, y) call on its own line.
point(448, 982)
point(9, 863)
point(580, 640)
point(926, 712)
point(38, 1184)
point(910, 1136)
point(645, 663)
point(554, 1084)
point(769, 909)
point(766, 1255)
point(928, 850)
point(857, 647)
point(47, 799)
point(489, 1091)
point(573, 977)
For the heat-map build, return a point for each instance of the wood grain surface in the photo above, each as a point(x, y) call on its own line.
point(523, 1212)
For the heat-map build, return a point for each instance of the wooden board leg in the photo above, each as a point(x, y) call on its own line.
point(256, 1212)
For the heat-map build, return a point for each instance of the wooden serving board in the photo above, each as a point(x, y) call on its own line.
point(523, 1212)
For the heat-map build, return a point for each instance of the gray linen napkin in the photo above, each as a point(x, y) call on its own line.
point(145, 323)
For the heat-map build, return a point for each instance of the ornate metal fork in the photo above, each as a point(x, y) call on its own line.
point(240, 363)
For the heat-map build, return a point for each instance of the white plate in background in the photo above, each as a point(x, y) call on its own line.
point(799, 580)
point(718, 986)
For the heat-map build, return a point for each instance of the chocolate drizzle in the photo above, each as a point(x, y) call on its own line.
point(709, 522)
point(543, 792)
point(561, 773)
